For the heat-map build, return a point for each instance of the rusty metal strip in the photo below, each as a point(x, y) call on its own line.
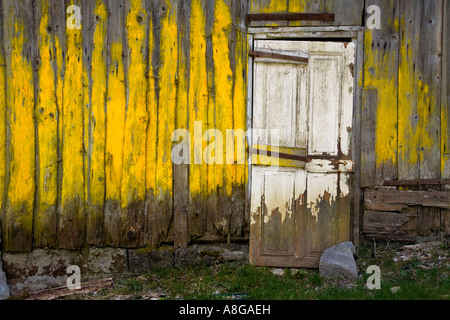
point(289, 17)
point(293, 156)
point(277, 56)
point(420, 182)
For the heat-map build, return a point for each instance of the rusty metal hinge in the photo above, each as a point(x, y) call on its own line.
point(278, 56)
point(289, 17)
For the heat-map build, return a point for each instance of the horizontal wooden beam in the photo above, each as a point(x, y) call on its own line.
point(407, 183)
point(289, 17)
point(390, 199)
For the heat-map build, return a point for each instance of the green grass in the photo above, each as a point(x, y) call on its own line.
point(243, 281)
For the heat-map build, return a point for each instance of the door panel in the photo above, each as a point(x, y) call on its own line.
point(301, 169)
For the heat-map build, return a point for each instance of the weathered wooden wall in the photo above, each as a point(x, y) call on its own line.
point(405, 121)
point(88, 115)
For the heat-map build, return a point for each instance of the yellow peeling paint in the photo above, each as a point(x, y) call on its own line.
point(20, 101)
point(240, 105)
point(2, 122)
point(115, 123)
point(168, 78)
point(414, 140)
point(376, 76)
point(134, 164)
point(198, 97)
point(152, 109)
point(47, 128)
point(272, 6)
point(73, 187)
point(223, 83)
point(98, 116)
point(268, 6)
point(297, 7)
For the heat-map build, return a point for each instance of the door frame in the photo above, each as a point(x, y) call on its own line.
point(356, 35)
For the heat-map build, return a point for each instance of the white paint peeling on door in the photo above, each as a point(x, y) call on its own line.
point(320, 187)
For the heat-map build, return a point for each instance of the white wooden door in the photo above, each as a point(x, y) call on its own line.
point(301, 150)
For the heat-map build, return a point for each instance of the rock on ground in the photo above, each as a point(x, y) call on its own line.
point(339, 261)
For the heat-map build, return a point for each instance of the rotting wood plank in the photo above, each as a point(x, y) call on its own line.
point(88, 7)
point(136, 121)
point(223, 83)
point(97, 175)
point(445, 112)
point(46, 111)
point(151, 203)
point(445, 100)
point(115, 122)
point(3, 163)
point(419, 89)
point(388, 199)
point(368, 137)
point(387, 222)
point(58, 11)
point(289, 17)
point(239, 218)
point(71, 225)
point(19, 48)
point(198, 114)
point(380, 76)
point(419, 182)
point(161, 218)
point(181, 171)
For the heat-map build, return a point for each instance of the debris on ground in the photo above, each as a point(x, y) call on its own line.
point(60, 292)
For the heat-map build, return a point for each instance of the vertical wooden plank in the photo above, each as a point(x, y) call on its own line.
point(134, 164)
point(211, 190)
point(96, 196)
point(18, 44)
point(58, 10)
point(151, 205)
point(88, 22)
point(380, 77)
point(356, 189)
point(45, 218)
point(445, 102)
point(237, 222)
point(181, 171)
point(2, 119)
point(168, 80)
point(71, 228)
point(419, 90)
point(115, 121)
point(223, 84)
point(368, 137)
point(445, 111)
point(198, 117)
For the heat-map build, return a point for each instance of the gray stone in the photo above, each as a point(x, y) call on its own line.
point(43, 269)
point(185, 257)
point(143, 260)
point(339, 261)
point(4, 289)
